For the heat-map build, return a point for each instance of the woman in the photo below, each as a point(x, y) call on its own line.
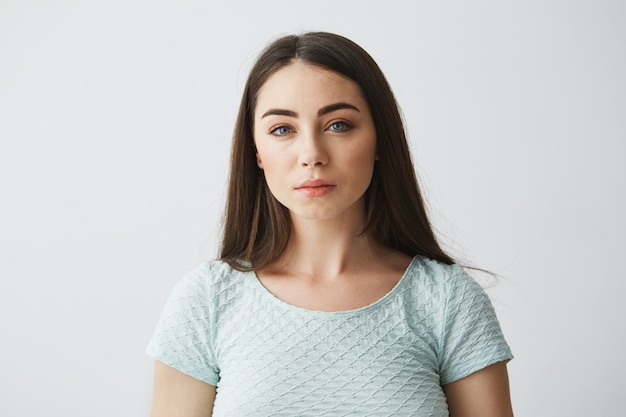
point(331, 295)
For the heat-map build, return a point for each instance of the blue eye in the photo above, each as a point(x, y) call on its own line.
point(339, 126)
point(281, 131)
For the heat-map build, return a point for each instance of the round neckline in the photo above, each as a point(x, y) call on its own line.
point(265, 293)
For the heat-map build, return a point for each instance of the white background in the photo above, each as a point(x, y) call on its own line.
point(115, 127)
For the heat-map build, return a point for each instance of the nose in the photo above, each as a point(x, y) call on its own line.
point(312, 151)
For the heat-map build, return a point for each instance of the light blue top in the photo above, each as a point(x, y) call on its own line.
point(390, 358)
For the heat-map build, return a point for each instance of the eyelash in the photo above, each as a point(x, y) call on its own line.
point(345, 127)
point(277, 128)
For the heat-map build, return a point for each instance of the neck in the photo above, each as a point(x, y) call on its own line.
point(327, 249)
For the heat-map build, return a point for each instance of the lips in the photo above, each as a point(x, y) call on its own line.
point(315, 188)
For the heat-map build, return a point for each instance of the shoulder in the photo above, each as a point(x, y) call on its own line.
point(197, 298)
point(206, 284)
point(435, 277)
point(440, 290)
point(208, 276)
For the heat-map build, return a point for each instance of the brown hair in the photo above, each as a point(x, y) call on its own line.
point(257, 227)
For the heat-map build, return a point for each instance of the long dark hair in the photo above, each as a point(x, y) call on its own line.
point(257, 227)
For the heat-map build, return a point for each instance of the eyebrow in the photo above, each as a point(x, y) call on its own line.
point(324, 110)
point(337, 106)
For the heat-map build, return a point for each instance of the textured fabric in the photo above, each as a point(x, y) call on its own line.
point(267, 357)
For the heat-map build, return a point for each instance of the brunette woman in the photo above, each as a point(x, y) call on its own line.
point(331, 295)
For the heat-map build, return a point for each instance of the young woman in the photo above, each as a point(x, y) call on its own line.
point(331, 296)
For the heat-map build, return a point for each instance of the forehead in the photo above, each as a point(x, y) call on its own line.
point(302, 85)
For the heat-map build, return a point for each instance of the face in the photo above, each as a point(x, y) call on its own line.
point(315, 141)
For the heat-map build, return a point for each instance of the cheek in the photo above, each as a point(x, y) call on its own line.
point(362, 159)
point(363, 153)
point(263, 154)
point(272, 156)
point(264, 158)
point(274, 167)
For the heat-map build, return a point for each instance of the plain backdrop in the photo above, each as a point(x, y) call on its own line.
point(115, 127)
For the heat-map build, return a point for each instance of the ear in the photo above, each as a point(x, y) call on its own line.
point(258, 161)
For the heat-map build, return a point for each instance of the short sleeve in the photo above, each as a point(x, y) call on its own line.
point(471, 337)
point(182, 339)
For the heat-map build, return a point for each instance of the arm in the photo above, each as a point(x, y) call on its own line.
point(484, 393)
point(179, 395)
